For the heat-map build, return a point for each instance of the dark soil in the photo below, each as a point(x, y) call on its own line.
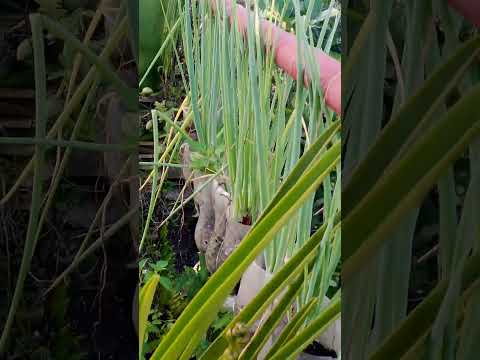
point(317, 349)
point(179, 231)
point(184, 243)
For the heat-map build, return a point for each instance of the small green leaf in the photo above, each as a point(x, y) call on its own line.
point(160, 265)
point(166, 283)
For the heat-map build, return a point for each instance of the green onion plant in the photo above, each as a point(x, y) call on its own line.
point(269, 130)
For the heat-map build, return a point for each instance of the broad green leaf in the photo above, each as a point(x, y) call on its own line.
point(280, 280)
point(195, 339)
point(145, 303)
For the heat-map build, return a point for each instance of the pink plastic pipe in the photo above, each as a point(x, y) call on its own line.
point(470, 9)
point(284, 45)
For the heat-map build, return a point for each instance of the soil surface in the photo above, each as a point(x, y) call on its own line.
point(181, 227)
point(184, 244)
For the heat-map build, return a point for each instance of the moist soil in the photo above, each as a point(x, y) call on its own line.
point(185, 249)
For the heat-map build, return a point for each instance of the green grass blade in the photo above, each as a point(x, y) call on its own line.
point(154, 190)
point(293, 326)
point(160, 51)
point(267, 328)
point(295, 345)
point(304, 162)
point(144, 305)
